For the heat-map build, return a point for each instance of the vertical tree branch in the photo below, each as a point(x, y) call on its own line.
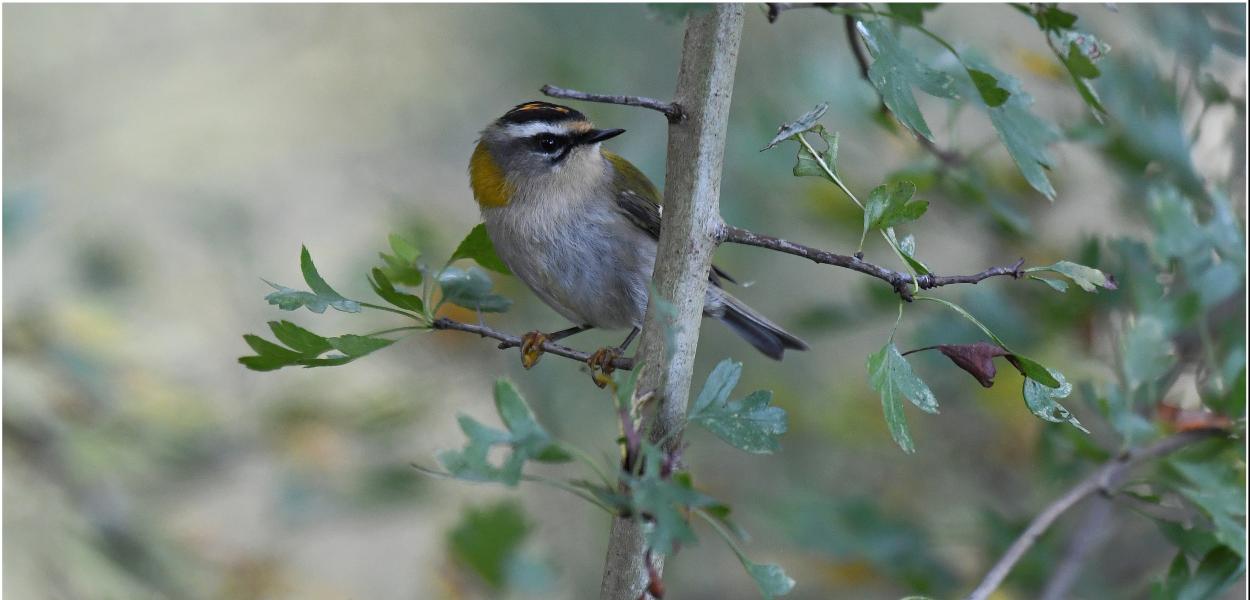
point(692, 224)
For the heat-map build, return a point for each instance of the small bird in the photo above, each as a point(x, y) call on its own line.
point(580, 225)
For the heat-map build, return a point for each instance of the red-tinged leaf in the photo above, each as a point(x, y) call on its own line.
point(977, 359)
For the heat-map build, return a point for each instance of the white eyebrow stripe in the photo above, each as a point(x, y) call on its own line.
point(535, 128)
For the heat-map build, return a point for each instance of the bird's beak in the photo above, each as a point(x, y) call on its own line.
point(594, 136)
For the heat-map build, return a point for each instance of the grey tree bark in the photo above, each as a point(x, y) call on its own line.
point(692, 224)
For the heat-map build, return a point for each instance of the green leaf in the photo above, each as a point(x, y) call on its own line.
point(299, 339)
point(479, 247)
point(665, 503)
point(1025, 135)
point(1088, 278)
point(320, 287)
point(771, 579)
point(1147, 351)
point(403, 249)
point(486, 539)
point(890, 375)
point(907, 246)
point(912, 13)
point(1218, 570)
point(807, 164)
point(895, 71)
point(987, 86)
point(800, 125)
point(1035, 371)
point(356, 346)
point(317, 300)
point(304, 348)
point(888, 206)
point(1052, 18)
point(1058, 285)
point(749, 424)
point(1042, 400)
point(524, 436)
point(470, 288)
point(1217, 489)
point(384, 289)
point(720, 383)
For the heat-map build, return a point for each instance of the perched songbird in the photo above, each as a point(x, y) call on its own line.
point(579, 225)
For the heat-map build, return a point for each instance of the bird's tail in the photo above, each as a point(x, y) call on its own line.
point(766, 336)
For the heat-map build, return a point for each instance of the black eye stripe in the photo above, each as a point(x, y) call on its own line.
point(550, 143)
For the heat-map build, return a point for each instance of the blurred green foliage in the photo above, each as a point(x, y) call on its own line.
point(159, 158)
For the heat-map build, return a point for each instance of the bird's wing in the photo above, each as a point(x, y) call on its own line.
point(639, 200)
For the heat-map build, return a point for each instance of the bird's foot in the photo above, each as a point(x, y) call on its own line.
point(601, 365)
point(532, 348)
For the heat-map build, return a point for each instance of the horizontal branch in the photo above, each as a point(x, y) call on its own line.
point(1104, 479)
point(508, 340)
point(671, 110)
point(901, 282)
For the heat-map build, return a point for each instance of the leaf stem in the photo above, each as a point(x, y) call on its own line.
point(397, 311)
point(724, 535)
point(967, 315)
point(395, 329)
point(588, 460)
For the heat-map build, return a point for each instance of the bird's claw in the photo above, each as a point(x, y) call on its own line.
point(601, 365)
point(532, 348)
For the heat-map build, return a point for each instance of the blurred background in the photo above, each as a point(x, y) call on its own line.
point(160, 160)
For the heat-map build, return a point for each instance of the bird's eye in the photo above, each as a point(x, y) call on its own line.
point(547, 142)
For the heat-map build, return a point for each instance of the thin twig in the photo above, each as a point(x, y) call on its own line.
point(898, 280)
point(671, 110)
point(1092, 531)
point(511, 341)
point(1104, 480)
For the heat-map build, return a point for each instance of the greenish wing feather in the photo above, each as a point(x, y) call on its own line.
point(639, 199)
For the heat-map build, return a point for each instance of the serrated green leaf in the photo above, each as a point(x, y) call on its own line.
point(800, 125)
point(1042, 400)
point(1087, 278)
point(890, 205)
point(486, 539)
point(771, 579)
point(1025, 135)
point(750, 424)
point(720, 383)
point(478, 246)
point(891, 376)
point(526, 439)
point(320, 287)
point(305, 348)
point(987, 86)
point(356, 346)
point(384, 289)
point(664, 503)
point(471, 288)
point(895, 70)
